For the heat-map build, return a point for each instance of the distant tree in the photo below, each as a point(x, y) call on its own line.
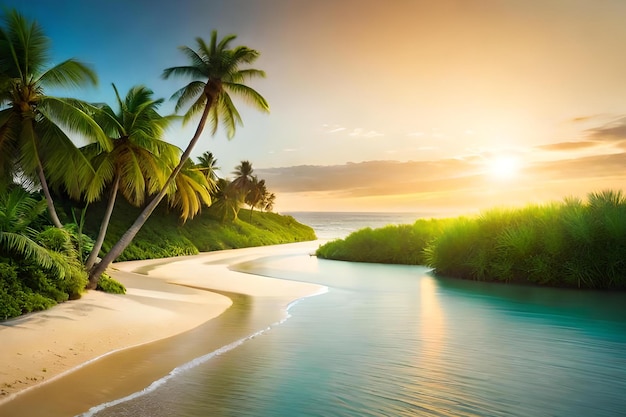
point(208, 165)
point(256, 192)
point(215, 70)
point(228, 200)
point(243, 177)
point(33, 125)
point(268, 202)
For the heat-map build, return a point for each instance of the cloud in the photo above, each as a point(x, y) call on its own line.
point(359, 132)
point(447, 180)
point(615, 130)
point(568, 146)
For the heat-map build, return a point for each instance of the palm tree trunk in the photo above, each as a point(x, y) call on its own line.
point(91, 260)
point(46, 192)
point(127, 237)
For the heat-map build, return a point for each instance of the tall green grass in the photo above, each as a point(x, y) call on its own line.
point(570, 243)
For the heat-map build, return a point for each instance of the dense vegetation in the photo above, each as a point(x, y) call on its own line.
point(39, 264)
point(571, 243)
point(50, 258)
point(164, 234)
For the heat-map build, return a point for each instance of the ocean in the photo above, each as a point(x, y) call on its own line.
point(393, 340)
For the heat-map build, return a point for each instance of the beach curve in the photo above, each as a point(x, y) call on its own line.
point(166, 298)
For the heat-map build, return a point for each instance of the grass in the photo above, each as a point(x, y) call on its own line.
point(567, 244)
point(164, 235)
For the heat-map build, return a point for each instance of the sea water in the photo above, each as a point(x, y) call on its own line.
point(392, 340)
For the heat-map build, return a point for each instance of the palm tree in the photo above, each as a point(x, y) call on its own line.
point(18, 210)
point(216, 72)
point(33, 125)
point(139, 162)
point(268, 202)
point(256, 191)
point(243, 177)
point(208, 165)
point(227, 200)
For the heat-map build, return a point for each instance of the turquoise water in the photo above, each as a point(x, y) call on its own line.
point(396, 341)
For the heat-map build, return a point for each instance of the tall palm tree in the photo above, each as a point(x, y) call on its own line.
point(33, 125)
point(215, 71)
point(139, 162)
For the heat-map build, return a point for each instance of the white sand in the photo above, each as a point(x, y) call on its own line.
point(39, 346)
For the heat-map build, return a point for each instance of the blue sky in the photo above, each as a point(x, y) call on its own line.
point(407, 105)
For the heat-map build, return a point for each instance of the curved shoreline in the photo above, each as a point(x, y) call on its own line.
point(179, 296)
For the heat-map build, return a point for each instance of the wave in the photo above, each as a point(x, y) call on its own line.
point(195, 362)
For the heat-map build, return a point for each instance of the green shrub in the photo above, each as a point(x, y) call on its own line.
point(109, 285)
point(572, 244)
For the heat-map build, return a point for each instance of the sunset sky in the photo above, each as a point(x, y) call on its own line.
point(405, 105)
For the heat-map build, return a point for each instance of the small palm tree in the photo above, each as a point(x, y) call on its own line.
point(227, 200)
point(257, 191)
point(243, 177)
point(18, 210)
point(33, 125)
point(215, 71)
point(208, 165)
point(268, 202)
point(139, 162)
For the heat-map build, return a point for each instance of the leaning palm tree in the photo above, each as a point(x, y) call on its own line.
point(139, 162)
point(33, 126)
point(215, 72)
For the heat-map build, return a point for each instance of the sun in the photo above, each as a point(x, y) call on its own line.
point(503, 167)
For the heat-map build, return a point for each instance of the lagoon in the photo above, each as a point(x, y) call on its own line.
point(392, 340)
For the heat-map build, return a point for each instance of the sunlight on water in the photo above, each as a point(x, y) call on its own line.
point(395, 341)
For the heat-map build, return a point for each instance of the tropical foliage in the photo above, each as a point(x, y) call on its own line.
point(164, 235)
point(39, 265)
point(571, 243)
point(34, 144)
point(216, 72)
point(138, 163)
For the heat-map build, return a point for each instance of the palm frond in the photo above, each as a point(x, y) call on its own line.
point(58, 153)
point(24, 48)
point(74, 116)
point(196, 108)
point(188, 71)
point(69, 73)
point(230, 116)
point(250, 95)
point(189, 93)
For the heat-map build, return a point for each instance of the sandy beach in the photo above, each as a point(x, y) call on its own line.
point(165, 298)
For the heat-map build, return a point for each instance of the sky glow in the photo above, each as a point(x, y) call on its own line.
point(387, 106)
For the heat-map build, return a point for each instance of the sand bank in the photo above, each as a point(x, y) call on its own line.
point(165, 297)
